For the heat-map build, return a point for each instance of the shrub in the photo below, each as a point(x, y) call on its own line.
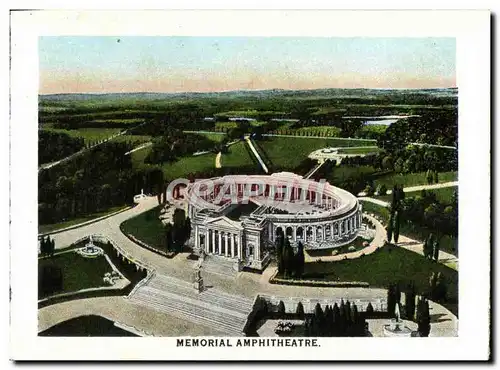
point(369, 190)
point(382, 189)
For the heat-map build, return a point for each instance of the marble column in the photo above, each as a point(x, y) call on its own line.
point(240, 246)
point(206, 241)
point(226, 245)
point(220, 243)
point(213, 241)
point(231, 238)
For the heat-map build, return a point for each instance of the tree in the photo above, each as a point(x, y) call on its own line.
point(436, 177)
point(382, 189)
point(397, 222)
point(369, 309)
point(281, 309)
point(279, 250)
point(300, 260)
point(429, 177)
point(423, 317)
point(393, 298)
point(437, 287)
point(319, 320)
point(428, 246)
point(410, 301)
point(300, 310)
point(435, 247)
point(390, 229)
point(387, 163)
point(288, 258)
point(368, 190)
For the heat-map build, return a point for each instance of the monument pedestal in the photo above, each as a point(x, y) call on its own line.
point(198, 280)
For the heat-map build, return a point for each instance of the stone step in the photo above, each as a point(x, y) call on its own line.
point(213, 308)
point(194, 313)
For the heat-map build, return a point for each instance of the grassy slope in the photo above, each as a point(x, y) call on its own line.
point(388, 265)
point(444, 195)
point(76, 221)
point(414, 179)
point(291, 150)
point(78, 272)
point(237, 156)
point(447, 243)
point(146, 227)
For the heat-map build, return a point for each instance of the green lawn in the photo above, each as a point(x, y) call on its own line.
point(290, 151)
point(447, 243)
point(146, 227)
point(413, 179)
point(383, 267)
point(89, 134)
point(178, 169)
point(92, 135)
point(42, 229)
point(237, 156)
point(367, 150)
point(214, 137)
point(443, 195)
point(78, 272)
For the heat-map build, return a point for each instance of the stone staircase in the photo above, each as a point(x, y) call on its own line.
point(212, 308)
point(219, 265)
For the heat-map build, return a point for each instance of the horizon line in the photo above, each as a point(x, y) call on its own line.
point(247, 90)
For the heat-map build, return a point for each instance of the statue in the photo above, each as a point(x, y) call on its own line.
point(198, 280)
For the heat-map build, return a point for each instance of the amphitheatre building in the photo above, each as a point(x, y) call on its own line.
point(239, 216)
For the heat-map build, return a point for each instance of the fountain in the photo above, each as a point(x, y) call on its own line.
point(90, 250)
point(397, 327)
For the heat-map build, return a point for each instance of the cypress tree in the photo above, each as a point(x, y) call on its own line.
point(396, 226)
point(410, 302)
point(369, 309)
point(336, 320)
point(391, 300)
point(300, 310)
point(390, 229)
point(424, 319)
point(281, 309)
point(300, 260)
point(435, 246)
point(357, 330)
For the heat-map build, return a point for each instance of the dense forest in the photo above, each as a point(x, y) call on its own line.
point(56, 145)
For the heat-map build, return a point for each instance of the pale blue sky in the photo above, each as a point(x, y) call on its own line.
point(174, 64)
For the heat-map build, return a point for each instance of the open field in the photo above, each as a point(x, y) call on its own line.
point(446, 243)
point(290, 151)
point(146, 227)
point(443, 195)
point(413, 179)
point(77, 272)
point(367, 150)
point(93, 135)
point(385, 266)
point(89, 134)
point(42, 229)
point(237, 156)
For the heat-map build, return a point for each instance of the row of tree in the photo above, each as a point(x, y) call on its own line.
point(178, 232)
point(53, 145)
point(421, 306)
point(47, 246)
point(290, 264)
point(343, 321)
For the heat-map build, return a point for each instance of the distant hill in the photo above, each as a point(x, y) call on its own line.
point(249, 93)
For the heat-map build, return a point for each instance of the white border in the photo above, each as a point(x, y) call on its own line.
point(472, 32)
